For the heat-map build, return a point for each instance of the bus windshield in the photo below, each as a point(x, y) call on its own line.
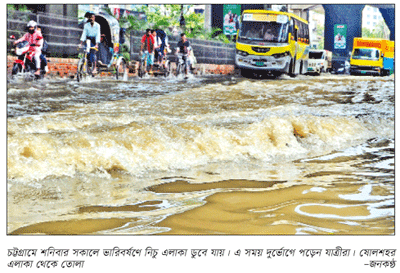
point(264, 31)
point(366, 54)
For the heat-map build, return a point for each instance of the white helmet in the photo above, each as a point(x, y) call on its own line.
point(31, 24)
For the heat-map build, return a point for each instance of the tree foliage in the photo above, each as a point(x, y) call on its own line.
point(167, 17)
point(379, 31)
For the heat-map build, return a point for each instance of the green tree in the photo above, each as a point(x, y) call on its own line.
point(167, 16)
point(379, 31)
point(321, 33)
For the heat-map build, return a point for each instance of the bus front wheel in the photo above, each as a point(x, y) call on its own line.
point(292, 68)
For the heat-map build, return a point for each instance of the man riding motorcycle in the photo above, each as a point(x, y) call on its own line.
point(183, 51)
point(35, 39)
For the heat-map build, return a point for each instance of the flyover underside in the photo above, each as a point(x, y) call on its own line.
point(388, 16)
point(351, 16)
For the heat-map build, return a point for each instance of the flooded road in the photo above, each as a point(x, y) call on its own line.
point(209, 155)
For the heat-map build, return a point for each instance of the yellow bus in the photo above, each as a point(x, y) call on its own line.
point(272, 41)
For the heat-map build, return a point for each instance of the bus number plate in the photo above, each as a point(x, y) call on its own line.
point(259, 63)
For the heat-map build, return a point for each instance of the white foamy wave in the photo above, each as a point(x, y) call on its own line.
point(141, 147)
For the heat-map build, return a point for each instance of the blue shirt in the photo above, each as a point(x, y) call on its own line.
point(91, 31)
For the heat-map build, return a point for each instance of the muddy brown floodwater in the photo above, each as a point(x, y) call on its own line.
point(209, 155)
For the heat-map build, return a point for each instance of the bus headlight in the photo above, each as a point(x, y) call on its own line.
point(242, 53)
point(281, 55)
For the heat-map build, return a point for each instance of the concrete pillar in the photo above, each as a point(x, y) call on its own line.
point(71, 10)
point(207, 19)
point(301, 10)
point(350, 15)
point(388, 15)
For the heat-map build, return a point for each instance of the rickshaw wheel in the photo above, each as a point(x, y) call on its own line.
point(121, 69)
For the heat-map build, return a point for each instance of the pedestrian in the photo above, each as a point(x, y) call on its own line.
point(147, 48)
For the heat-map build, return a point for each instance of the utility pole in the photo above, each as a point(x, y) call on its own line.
point(182, 21)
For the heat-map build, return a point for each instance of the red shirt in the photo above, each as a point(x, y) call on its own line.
point(35, 38)
point(150, 42)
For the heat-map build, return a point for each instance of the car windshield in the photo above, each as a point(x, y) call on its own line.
point(264, 31)
point(366, 54)
point(315, 55)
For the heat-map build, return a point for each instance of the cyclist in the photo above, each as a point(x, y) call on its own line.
point(148, 45)
point(183, 50)
point(35, 38)
point(91, 31)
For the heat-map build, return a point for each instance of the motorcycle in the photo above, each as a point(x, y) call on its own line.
point(26, 62)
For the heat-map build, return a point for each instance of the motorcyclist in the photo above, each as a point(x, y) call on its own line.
point(91, 31)
point(183, 49)
point(35, 39)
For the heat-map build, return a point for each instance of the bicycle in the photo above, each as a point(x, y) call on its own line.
point(83, 64)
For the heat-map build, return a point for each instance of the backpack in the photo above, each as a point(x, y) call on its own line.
point(45, 47)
